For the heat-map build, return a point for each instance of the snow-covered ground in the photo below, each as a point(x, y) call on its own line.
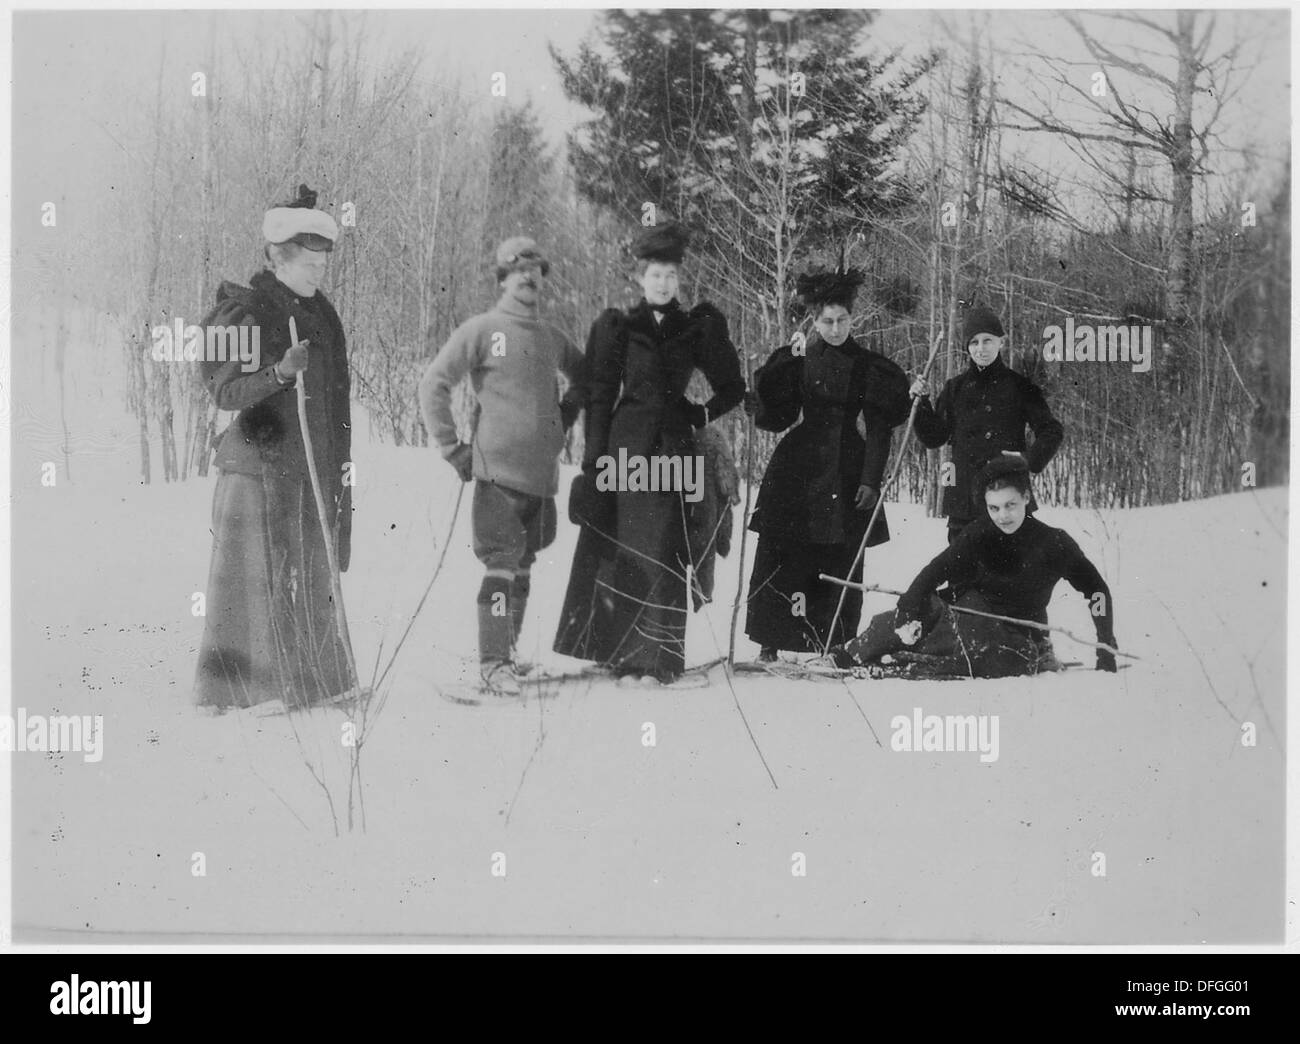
point(601, 835)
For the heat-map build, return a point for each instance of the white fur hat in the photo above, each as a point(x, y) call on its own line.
point(301, 224)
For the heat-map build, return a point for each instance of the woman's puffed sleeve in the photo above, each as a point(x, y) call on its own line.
point(778, 383)
point(718, 360)
point(230, 387)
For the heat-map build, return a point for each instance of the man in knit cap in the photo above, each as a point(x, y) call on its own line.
point(511, 357)
point(983, 413)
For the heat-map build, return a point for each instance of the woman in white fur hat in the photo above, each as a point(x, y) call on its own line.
point(270, 630)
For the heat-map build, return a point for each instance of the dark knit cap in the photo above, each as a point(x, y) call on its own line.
point(663, 243)
point(980, 320)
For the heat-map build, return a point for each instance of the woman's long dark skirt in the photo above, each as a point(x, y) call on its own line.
point(270, 630)
point(789, 607)
point(626, 603)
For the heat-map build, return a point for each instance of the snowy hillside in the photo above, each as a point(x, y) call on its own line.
point(603, 836)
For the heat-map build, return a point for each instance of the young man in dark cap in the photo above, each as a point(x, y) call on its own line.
point(1006, 563)
point(983, 413)
point(512, 357)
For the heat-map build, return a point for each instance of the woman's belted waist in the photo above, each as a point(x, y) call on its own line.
point(649, 399)
point(824, 417)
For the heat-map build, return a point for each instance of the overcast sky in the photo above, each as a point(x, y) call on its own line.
point(78, 75)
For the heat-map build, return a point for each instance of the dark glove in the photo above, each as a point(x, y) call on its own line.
point(696, 415)
point(462, 459)
point(569, 413)
point(591, 507)
point(866, 498)
point(293, 363)
point(1106, 661)
point(750, 403)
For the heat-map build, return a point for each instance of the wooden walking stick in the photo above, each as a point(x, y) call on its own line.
point(880, 499)
point(988, 616)
point(744, 518)
point(336, 584)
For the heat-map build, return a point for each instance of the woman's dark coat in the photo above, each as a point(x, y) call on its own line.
point(269, 570)
point(626, 600)
point(805, 514)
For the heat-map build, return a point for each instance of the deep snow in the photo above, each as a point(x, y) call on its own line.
point(602, 836)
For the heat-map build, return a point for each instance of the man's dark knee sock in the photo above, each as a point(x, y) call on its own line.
point(519, 588)
point(494, 624)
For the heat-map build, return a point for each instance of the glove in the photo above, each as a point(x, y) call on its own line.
point(293, 363)
point(917, 391)
point(909, 633)
point(1106, 661)
point(591, 507)
point(866, 498)
point(462, 459)
point(569, 413)
point(750, 403)
point(696, 415)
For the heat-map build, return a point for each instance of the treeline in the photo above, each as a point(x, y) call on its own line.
point(785, 140)
point(773, 134)
point(424, 176)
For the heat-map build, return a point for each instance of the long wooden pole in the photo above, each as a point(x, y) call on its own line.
point(744, 518)
point(989, 616)
point(880, 499)
point(336, 585)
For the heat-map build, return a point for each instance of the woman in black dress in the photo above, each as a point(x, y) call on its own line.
point(824, 477)
point(626, 603)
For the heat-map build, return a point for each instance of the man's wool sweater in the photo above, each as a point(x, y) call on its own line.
point(512, 358)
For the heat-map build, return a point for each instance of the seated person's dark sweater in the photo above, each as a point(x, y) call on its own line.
point(994, 572)
point(1015, 572)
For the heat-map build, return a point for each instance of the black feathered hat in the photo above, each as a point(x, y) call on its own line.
point(663, 243)
point(306, 198)
point(818, 289)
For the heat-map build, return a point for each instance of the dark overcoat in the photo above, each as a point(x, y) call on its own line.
point(270, 630)
point(815, 471)
point(626, 600)
point(982, 413)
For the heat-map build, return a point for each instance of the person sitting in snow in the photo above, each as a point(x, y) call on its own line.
point(984, 412)
point(511, 357)
point(1006, 563)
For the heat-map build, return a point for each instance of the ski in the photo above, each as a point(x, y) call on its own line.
point(912, 670)
point(543, 684)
